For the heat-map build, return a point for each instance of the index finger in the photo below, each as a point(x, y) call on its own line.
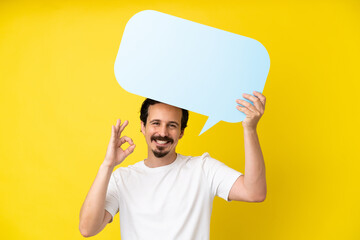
point(123, 126)
point(260, 96)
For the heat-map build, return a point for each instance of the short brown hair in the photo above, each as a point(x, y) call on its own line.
point(145, 108)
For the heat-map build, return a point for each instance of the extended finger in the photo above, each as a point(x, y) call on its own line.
point(112, 137)
point(112, 133)
point(258, 104)
point(246, 104)
point(118, 122)
point(123, 126)
point(243, 109)
point(260, 96)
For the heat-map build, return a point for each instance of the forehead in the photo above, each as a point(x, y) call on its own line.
point(164, 112)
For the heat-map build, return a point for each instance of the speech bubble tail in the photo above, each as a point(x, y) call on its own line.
point(209, 123)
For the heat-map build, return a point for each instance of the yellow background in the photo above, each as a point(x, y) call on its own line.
point(59, 98)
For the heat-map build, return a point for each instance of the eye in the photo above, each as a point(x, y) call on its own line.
point(155, 123)
point(173, 126)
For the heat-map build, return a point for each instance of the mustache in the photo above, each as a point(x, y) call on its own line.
point(153, 138)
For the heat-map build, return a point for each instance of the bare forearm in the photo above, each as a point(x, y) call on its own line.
point(92, 214)
point(254, 179)
point(92, 210)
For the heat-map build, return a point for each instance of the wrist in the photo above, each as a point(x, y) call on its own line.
point(108, 165)
point(250, 129)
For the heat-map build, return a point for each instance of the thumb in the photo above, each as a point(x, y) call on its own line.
point(129, 150)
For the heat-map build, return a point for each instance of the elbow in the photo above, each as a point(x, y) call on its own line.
point(85, 232)
point(85, 235)
point(260, 198)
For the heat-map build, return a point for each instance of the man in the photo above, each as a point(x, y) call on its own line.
point(168, 195)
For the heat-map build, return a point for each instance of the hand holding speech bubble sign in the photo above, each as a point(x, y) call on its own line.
point(190, 65)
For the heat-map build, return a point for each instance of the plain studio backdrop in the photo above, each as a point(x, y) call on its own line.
point(59, 98)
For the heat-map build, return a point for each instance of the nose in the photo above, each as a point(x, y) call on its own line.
point(163, 130)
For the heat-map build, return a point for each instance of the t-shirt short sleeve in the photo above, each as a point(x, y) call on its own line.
point(112, 197)
point(220, 177)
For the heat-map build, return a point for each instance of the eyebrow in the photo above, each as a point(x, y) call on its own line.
point(174, 122)
point(158, 120)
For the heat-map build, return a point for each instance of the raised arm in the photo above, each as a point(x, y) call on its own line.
point(93, 216)
point(251, 187)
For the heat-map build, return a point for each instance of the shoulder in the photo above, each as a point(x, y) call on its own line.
point(191, 159)
point(122, 172)
point(205, 160)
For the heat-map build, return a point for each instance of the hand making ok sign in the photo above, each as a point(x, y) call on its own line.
point(115, 154)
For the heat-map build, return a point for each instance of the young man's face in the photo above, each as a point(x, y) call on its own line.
point(163, 129)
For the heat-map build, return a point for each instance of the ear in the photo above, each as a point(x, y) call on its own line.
point(142, 127)
point(181, 134)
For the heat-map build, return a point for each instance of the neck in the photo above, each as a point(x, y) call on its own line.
point(154, 162)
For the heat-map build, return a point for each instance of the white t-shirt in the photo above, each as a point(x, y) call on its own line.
point(168, 202)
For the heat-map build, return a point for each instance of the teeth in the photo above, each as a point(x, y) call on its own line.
point(161, 142)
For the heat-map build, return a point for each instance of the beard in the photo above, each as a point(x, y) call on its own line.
point(158, 152)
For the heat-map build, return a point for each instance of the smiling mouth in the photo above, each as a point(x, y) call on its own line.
point(162, 141)
point(161, 144)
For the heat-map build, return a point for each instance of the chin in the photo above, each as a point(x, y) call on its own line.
point(160, 154)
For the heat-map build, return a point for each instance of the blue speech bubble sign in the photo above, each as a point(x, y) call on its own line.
point(190, 65)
